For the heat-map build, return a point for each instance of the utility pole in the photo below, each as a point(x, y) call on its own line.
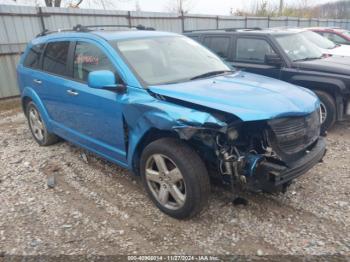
point(181, 6)
point(281, 8)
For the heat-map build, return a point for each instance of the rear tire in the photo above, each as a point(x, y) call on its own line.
point(38, 127)
point(175, 178)
point(328, 110)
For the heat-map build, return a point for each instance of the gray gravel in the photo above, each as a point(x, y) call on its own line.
point(63, 200)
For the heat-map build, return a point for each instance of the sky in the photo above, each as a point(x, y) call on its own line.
point(214, 7)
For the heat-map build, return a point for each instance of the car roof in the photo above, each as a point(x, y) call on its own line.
point(327, 29)
point(124, 35)
point(271, 31)
point(105, 34)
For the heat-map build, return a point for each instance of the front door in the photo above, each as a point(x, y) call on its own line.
point(95, 115)
point(250, 54)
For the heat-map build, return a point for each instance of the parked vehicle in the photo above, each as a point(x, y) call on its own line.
point(336, 35)
point(287, 55)
point(327, 47)
point(171, 111)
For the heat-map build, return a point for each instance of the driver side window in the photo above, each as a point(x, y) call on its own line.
point(252, 50)
point(88, 58)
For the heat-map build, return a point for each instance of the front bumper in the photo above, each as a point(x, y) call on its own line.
point(271, 177)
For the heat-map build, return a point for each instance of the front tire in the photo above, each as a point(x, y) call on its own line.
point(37, 126)
point(175, 178)
point(328, 110)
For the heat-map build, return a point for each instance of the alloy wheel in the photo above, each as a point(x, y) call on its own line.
point(323, 110)
point(36, 124)
point(165, 181)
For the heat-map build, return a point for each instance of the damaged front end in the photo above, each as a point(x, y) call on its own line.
point(259, 155)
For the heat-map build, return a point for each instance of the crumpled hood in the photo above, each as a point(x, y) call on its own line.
point(248, 96)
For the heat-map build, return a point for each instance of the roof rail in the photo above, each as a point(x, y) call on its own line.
point(47, 32)
point(225, 29)
point(243, 28)
point(87, 28)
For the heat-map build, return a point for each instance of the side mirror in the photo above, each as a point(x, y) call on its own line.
point(104, 79)
point(273, 59)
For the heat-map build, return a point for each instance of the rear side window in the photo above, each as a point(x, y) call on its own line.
point(32, 59)
point(218, 44)
point(252, 50)
point(55, 58)
point(88, 58)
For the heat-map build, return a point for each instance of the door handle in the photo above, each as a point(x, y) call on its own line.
point(72, 92)
point(37, 81)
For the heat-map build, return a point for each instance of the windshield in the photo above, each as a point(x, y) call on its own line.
point(298, 48)
point(318, 40)
point(170, 59)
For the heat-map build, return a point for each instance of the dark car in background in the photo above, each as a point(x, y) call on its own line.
point(287, 55)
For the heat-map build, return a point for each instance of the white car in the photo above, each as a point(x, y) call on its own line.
point(327, 47)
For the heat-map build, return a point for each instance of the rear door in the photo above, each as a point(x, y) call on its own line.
point(219, 44)
point(249, 55)
point(54, 78)
point(30, 74)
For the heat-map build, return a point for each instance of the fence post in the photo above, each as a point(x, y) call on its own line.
point(298, 21)
point(129, 19)
point(217, 22)
point(182, 21)
point(268, 21)
point(287, 21)
point(40, 14)
point(246, 22)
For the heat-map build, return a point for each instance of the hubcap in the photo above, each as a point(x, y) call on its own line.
point(36, 124)
point(165, 181)
point(323, 113)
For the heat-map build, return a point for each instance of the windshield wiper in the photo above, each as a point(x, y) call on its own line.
point(212, 73)
point(308, 58)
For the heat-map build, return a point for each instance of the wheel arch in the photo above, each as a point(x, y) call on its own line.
point(334, 87)
point(149, 136)
point(25, 101)
point(29, 95)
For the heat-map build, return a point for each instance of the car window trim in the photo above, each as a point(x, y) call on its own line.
point(40, 58)
point(75, 42)
point(229, 48)
point(253, 37)
point(43, 53)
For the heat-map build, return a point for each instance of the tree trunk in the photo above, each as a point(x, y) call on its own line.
point(48, 3)
point(58, 3)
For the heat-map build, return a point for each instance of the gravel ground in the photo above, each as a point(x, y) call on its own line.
point(99, 208)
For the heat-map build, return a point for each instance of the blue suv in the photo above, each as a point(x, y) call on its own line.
point(170, 110)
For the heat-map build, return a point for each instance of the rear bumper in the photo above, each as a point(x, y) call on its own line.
point(272, 177)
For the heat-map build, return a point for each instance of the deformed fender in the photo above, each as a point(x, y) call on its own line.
point(29, 92)
point(144, 116)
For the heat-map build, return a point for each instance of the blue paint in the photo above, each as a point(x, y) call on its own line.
point(248, 96)
point(252, 161)
point(101, 79)
point(96, 118)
